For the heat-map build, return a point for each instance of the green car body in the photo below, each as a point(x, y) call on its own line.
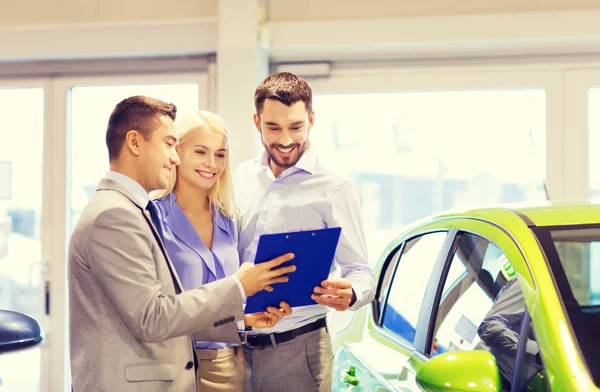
point(383, 361)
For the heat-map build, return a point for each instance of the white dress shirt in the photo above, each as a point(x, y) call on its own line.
point(305, 196)
point(133, 187)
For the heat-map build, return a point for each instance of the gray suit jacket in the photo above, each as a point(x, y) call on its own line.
point(130, 322)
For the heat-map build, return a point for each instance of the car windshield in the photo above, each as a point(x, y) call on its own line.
point(579, 254)
point(573, 253)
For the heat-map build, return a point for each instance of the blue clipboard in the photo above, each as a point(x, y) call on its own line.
point(314, 251)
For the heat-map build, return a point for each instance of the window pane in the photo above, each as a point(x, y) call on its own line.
point(417, 153)
point(22, 112)
point(468, 293)
point(409, 284)
point(581, 261)
point(91, 107)
point(594, 141)
point(579, 253)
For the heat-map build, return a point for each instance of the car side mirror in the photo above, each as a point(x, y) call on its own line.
point(460, 371)
point(18, 332)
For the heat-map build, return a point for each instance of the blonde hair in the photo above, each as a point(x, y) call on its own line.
point(221, 194)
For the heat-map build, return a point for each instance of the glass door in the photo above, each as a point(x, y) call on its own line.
point(89, 103)
point(21, 171)
point(52, 156)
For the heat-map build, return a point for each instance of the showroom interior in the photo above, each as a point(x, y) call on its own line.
point(428, 106)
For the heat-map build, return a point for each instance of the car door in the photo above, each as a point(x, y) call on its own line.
point(478, 303)
point(380, 344)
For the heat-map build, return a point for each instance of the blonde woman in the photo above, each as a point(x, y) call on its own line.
point(197, 225)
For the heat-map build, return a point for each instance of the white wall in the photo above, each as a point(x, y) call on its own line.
point(61, 12)
point(293, 10)
point(84, 29)
point(308, 30)
point(52, 12)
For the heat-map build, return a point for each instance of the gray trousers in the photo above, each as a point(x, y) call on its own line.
point(303, 364)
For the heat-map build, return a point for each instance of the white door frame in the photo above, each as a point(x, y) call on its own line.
point(48, 222)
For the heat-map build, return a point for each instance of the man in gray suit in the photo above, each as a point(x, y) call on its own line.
point(130, 321)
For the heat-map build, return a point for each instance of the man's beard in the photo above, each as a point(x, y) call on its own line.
point(301, 149)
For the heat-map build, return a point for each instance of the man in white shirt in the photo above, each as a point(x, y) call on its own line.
point(287, 188)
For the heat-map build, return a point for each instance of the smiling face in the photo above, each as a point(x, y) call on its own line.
point(284, 132)
point(203, 159)
point(158, 157)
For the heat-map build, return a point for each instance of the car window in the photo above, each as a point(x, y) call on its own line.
point(409, 283)
point(482, 307)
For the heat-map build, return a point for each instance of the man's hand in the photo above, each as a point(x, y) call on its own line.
point(269, 318)
point(336, 293)
point(255, 278)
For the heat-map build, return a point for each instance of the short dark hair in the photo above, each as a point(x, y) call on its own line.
point(138, 113)
point(284, 87)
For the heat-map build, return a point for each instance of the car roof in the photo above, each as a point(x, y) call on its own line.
point(538, 214)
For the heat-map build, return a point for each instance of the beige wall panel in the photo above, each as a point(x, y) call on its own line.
point(568, 4)
point(21, 12)
point(294, 10)
point(134, 10)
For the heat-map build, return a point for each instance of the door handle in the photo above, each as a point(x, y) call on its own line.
point(47, 298)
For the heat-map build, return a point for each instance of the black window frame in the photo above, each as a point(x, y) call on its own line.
point(390, 264)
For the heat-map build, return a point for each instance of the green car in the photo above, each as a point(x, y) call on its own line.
point(495, 299)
